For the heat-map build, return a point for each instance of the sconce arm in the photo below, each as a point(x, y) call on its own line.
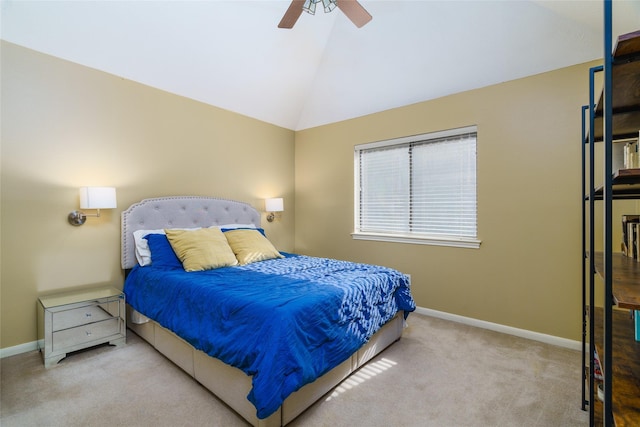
point(77, 218)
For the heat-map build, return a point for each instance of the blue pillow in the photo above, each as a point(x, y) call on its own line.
point(261, 230)
point(162, 254)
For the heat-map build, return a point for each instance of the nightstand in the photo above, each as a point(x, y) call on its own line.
point(76, 320)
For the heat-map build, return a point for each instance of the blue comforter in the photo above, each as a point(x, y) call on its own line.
point(285, 322)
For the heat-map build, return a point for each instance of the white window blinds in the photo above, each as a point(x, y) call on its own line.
point(418, 186)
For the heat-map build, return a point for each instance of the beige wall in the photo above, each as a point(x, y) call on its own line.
point(527, 272)
point(66, 126)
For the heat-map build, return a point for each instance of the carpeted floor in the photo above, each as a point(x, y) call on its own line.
point(439, 374)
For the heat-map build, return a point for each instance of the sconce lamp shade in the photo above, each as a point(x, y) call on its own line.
point(98, 198)
point(274, 205)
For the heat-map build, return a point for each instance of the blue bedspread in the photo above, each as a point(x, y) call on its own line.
point(285, 321)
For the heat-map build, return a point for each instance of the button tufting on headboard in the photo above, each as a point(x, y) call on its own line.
point(177, 212)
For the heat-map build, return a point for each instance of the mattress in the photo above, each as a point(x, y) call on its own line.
point(284, 322)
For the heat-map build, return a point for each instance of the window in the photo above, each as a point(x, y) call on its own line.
point(418, 189)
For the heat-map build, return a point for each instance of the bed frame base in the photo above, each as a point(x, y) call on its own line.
point(232, 386)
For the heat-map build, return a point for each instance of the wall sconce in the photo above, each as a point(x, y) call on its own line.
point(93, 198)
point(272, 206)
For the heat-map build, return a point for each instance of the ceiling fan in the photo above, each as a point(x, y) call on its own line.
point(354, 11)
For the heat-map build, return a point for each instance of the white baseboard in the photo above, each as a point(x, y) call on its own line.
point(18, 349)
point(536, 336)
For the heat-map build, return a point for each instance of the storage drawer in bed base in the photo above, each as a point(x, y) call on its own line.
point(144, 330)
point(232, 386)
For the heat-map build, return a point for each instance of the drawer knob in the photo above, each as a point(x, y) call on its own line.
point(88, 314)
point(88, 333)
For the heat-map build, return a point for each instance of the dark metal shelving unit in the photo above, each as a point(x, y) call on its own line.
point(616, 116)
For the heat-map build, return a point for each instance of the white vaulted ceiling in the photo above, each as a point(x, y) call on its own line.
point(231, 54)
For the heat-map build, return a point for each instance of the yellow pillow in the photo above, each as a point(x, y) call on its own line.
point(202, 249)
point(251, 246)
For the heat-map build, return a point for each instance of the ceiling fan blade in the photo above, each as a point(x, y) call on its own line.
point(354, 11)
point(292, 14)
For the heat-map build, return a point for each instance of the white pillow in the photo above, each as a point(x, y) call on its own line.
point(143, 253)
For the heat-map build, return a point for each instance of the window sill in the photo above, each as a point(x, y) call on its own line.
point(461, 242)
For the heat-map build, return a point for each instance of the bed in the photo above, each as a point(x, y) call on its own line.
point(267, 332)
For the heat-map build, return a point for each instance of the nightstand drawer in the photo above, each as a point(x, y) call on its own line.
point(75, 320)
point(84, 334)
point(80, 316)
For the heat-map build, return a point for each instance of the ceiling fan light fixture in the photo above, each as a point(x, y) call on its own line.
point(351, 8)
point(310, 6)
point(329, 5)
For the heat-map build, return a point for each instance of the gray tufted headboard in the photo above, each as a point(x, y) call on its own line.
point(180, 212)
